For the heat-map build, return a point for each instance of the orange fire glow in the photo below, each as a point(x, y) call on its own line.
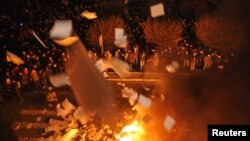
point(131, 132)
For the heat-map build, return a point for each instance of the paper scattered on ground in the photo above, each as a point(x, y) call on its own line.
point(169, 123)
point(89, 15)
point(131, 94)
point(62, 29)
point(67, 105)
point(82, 115)
point(60, 111)
point(157, 10)
point(70, 135)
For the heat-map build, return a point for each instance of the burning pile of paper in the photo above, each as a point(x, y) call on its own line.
point(76, 124)
point(131, 94)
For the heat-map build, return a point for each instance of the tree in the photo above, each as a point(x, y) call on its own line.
point(106, 28)
point(221, 33)
point(162, 33)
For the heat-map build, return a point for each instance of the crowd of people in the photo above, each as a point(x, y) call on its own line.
point(41, 61)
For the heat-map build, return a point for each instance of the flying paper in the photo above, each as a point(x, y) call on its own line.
point(81, 115)
point(39, 40)
point(119, 33)
point(88, 15)
point(120, 38)
point(61, 29)
point(157, 10)
point(14, 58)
point(67, 41)
point(59, 80)
point(144, 101)
point(169, 122)
point(121, 43)
point(173, 67)
point(120, 67)
point(102, 65)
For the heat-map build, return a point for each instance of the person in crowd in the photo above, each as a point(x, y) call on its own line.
point(142, 60)
point(51, 95)
point(35, 78)
point(186, 57)
point(207, 62)
point(107, 55)
point(95, 57)
point(193, 60)
point(117, 54)
point(44, 80)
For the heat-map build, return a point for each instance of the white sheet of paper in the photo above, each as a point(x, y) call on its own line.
point(60, 111)
point(61, 29)
point(14, 58)
point(89, 15)
point(173, 67)
point(67, 41)
point(144, 101)
point(120, 67)
point(132, 99)
point(121, 43)
point(59, 80)
point(169, 123)
point(81, 115)
point(119, 33)
point(128, 92)
point(157, 10)
point(102, 65)
point(67, 105)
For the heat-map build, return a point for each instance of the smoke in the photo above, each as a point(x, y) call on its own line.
point(195, 100)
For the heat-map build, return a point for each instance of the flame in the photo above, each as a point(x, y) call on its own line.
point(131, 132)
